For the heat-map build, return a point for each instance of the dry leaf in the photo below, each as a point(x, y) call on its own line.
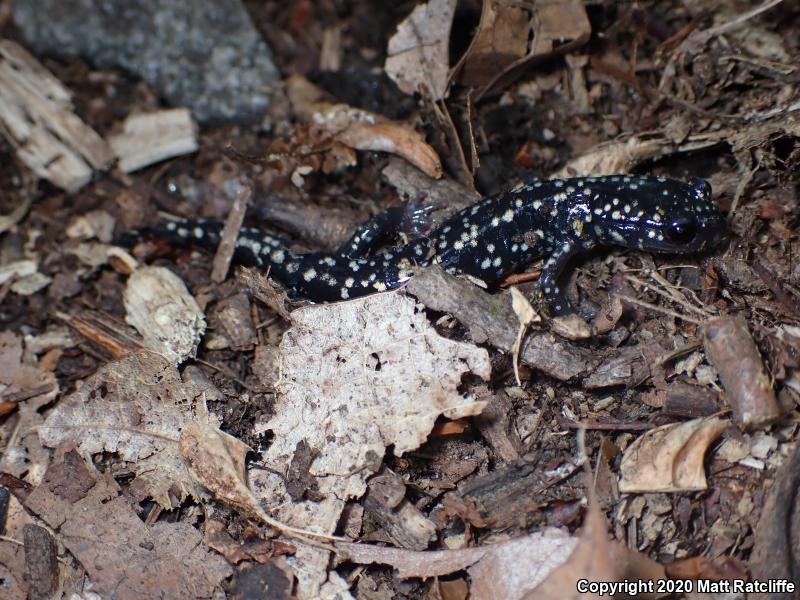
point(597, 559)
point(26, 388)
point(10, 356)
point(136, 407)
point(501, 40)
point(418, 54)
point(123, 557)
point(513, 37)
point(670, 458)
point(217, 459)
point(357, 377)
point(393, 138)
point(538, 566)
point(360, 129)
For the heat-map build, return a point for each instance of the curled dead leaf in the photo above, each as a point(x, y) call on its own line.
point(418, 54)
point(360, 129)
point(670, 458)
point(393, 138)
point(217, 460)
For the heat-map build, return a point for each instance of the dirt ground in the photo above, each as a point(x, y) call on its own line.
point(443, 441)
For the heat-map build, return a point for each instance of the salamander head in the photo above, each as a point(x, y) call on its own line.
point(654, 213)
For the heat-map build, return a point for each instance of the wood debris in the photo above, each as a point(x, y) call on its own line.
point(731, 349)
point(161, 309)
point(37, 118)
point(149, 138)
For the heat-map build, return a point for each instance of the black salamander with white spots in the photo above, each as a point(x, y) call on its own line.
point(553, 219)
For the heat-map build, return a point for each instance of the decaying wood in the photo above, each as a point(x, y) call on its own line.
point(240, 194)
point(490, 318)
point(510, 496)
point(731, 349)
point(777, 536)
point(37, 118)
point(402, 523)
point(112, 337)
point(160, 307)
point(497, 429)
point(149, 138)
point(690, 401)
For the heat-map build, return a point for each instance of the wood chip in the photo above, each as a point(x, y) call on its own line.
point(41, 566)
point(163, 311)
point(148, 138)
point(37, 118)
point(402, 523)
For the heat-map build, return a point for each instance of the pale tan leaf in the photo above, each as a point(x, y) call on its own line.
point(670, 458)
point(360, 129)
point(394, 138)
point(356, 377)
point(418, 54)
point(135, 406)
point(217, 459)
point(596, 558)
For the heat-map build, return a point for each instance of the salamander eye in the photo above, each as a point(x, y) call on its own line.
point(682, 230)
point(702, 185)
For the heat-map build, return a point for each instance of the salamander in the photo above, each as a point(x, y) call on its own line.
point(555, 219)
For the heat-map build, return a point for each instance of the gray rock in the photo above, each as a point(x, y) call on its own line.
point(203, 54)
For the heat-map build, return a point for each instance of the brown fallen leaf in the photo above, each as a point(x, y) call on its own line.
point(123, 557)
point(360, 129)
point(135, 407)
point(417, 57)
point(536, 566)
point(598, 559)
point(670, 458)
point(26, 388)
point(501, 39)
point(513, 37)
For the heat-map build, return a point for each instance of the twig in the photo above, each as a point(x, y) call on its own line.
point(684, 303)
point(609, 426)
point(660, 309)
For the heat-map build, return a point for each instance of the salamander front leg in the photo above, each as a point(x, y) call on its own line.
point(368, 235)
point(564, 320)
point(407, 222)
point(551, 273)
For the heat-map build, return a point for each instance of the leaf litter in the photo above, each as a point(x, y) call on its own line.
point(761, 139)
point(356, 378)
